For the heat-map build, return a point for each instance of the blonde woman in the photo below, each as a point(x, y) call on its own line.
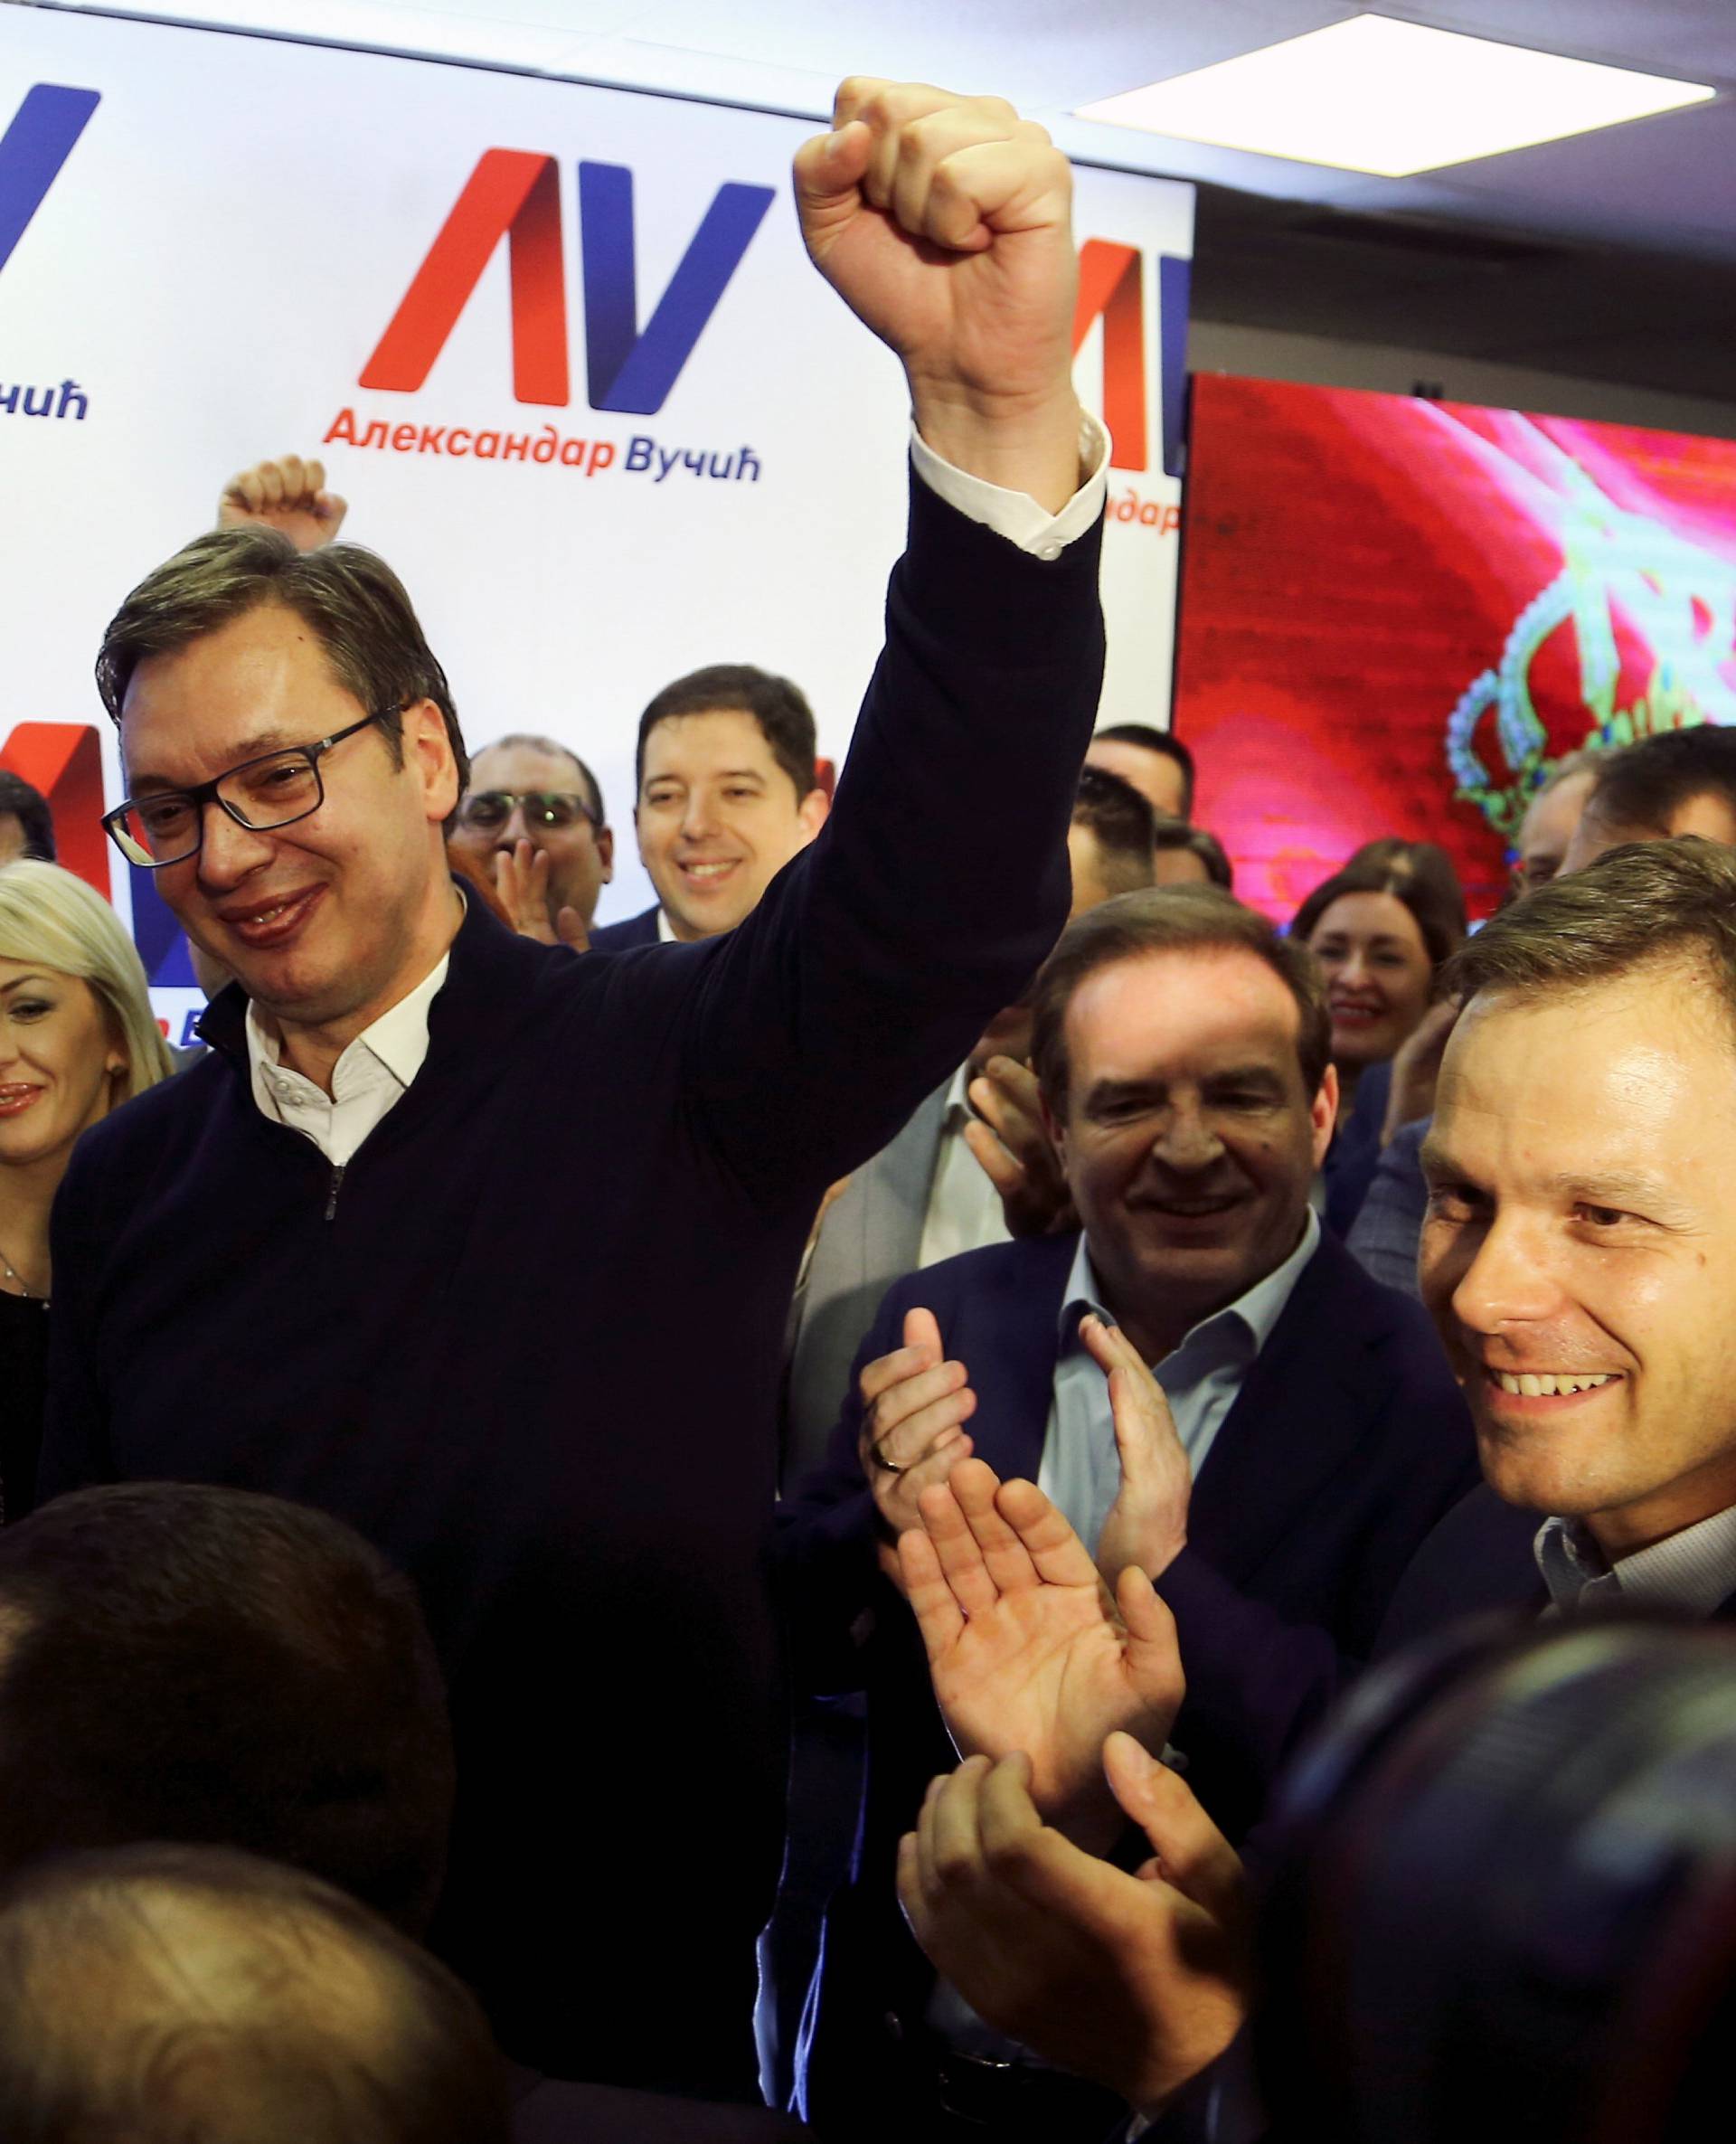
point(77, 1039)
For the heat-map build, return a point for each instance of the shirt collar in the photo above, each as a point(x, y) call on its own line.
point(1693, 1571)
point(1256, 1311)
point(397, 1039)
point(665, 930)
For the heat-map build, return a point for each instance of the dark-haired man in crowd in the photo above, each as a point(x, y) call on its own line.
point(179, 1661)
point(531, 789)
point(1682, 782)
point(927, 1196)
point(404, 1245)
point(1182, 1049)
point(1579, 1259)
point(26, 824)
point(728, 792)
point(1156, 761)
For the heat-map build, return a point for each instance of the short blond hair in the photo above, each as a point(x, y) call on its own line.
point(50, 917)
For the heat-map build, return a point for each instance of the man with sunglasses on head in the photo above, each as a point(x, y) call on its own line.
point(489, 1250)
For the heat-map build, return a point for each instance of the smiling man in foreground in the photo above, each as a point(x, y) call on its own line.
point(1579, 1255)
point(489, 1249)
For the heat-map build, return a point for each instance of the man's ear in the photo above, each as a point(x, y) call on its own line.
point(428, 749)
point(1054, 1125)
point(1325, 1113)
point(813, 812)
point(606, 850)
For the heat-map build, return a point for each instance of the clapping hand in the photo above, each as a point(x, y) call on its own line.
point(1138, 1982)
point(522, 882)
point(1026, 1648)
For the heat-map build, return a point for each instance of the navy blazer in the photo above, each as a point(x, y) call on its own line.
point(1347, 1441)
point(621, 937)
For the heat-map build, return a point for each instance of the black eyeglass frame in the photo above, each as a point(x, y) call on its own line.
point(208, 792)
point(513, 797)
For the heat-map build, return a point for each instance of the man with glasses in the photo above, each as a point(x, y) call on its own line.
point(489, 1250)
point(531, 789)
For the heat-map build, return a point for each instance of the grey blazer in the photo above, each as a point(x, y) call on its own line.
point(872, 1236)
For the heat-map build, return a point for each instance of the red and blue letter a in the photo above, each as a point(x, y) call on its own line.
point(514, 194)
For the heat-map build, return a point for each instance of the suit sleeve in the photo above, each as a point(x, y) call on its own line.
point(938, 884)
point(827, 1538)
point(75, 1430)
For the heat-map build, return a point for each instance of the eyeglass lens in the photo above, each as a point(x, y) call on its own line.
point(269, 793)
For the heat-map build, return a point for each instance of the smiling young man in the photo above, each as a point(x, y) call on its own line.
point(488, 1248)
point(1182, 1050)
point(1579, 1255)
point(729, 793)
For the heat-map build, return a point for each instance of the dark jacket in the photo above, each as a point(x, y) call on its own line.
point(529, 1341)
point(1346, 1443)
point(621, 937)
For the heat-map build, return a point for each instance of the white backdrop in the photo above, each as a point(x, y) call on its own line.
point(216, 262)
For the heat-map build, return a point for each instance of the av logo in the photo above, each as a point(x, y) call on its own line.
point(515, 194)
point(1111, 289)
point(40, 139)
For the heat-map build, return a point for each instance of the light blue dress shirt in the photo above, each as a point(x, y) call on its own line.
point(1693, 1571)
point(1082, 1469)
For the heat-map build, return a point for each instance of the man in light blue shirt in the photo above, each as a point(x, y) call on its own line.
point(1181, 1047)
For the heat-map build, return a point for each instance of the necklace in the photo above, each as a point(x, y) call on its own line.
point(24, 1288)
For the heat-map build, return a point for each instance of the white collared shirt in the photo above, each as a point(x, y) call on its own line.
point(964, 1211)
point(376, 1068)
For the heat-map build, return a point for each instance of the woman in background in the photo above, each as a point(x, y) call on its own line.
point(1380, 929)
point(76, 1038)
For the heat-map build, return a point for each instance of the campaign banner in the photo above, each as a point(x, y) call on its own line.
point(1398, 615)
point(560, 349)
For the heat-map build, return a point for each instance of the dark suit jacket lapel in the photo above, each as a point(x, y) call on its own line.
point(1008, 1343)
point(1296, 1421)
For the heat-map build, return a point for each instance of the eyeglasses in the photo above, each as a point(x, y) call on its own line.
point(487, 810)
point(276, 790)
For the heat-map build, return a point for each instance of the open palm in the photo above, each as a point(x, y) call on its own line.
point(1026, 1648)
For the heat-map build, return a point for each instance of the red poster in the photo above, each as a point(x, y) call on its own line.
point(1397, 614)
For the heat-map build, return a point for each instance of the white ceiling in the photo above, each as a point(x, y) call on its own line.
point(1610, 214)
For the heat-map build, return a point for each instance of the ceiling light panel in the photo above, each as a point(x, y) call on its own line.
point(1392, 99)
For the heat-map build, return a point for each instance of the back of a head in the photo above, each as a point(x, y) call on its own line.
point(1123, 824)
point(176, 1995)
point(1641, 789)
point(199, 1664)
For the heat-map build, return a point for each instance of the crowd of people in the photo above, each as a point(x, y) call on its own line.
point(873, 1407)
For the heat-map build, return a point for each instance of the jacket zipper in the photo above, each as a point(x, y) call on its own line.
point(337, 1185)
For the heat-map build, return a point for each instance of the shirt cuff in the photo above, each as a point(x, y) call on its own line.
point(1014, 514)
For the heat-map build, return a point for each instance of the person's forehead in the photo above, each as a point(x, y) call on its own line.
point(1369, 916)
point(1636, 1073)
point(706, 742)
point(1176, 1014)
point(525, 767)
point(1156, 775)
point(1549, 820)
point(261, 681)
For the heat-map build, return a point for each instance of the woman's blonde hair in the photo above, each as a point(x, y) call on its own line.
point(51, 917)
